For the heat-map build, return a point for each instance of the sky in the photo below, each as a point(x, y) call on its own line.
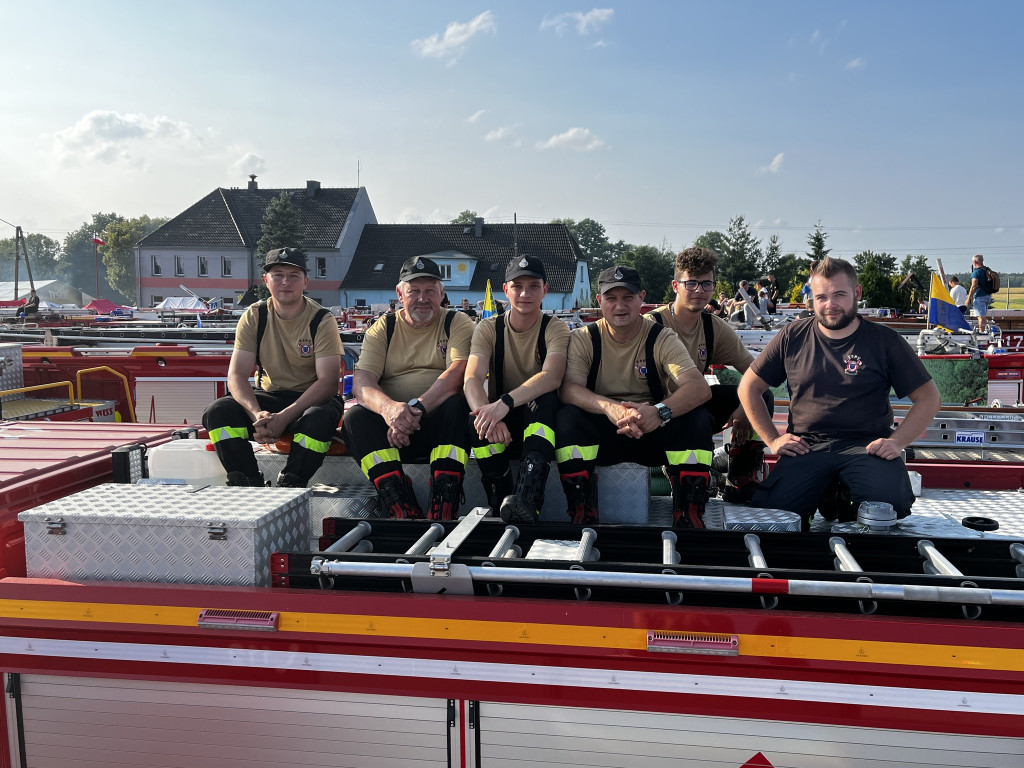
point(897, 125)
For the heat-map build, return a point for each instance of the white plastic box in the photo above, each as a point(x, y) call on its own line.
point(193, 461)
point(166, 533)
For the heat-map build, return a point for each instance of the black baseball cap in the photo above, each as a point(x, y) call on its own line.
point(530, 266)
point(619, 276)
point(291, 257)
point(419, 266)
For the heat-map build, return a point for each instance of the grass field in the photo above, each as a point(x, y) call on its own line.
point(1015, 295)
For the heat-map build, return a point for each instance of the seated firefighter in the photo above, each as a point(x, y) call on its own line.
point(296, 349)
point(711, 340)
point(839, 370)
point(408, 382)
point(524, 350)
point(631, 393)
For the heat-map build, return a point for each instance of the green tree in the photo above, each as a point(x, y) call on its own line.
point(466, 217)
point(772, 256)
point(282, 228)
point(918, 266)
point(599, 251)
point(118, 254)
point(885, 263)
point(655, 266)
point(78, 262)
point(880, 289)
point(43, 253)
point(742, 253)
point(791, 273)
point(714, 240)
point(816, 243)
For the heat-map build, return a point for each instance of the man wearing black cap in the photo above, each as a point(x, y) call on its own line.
point(631, 393)
point(524, 351)
point(296, 349)
point(408, 382)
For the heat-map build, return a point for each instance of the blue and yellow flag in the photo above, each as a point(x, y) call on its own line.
point(942, 311)
point(488, 302)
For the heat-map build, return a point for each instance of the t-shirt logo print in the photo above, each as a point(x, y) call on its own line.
point(641, 369)
point(702, 352)
point(442, 347)
point(853, 365)
point(305, 347)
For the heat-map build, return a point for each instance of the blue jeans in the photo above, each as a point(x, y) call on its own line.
point(981, 304)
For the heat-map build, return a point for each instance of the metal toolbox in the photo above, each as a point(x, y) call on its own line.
point(166, 533)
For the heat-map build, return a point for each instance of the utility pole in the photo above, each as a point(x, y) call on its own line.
point(20, 249)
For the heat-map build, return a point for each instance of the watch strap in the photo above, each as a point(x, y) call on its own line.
point(507, 400)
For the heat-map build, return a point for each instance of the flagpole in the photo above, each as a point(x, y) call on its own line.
point(96, 260)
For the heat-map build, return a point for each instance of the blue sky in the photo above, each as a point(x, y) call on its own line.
point(897, 124)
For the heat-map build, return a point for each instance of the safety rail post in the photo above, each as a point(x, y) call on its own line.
point(121, 376)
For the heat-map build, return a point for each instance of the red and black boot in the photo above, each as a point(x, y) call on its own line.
point(445, 495)
point(581, 494)
point(746, 470)
point(524, 505)
point(689, 498)
point(395, 497)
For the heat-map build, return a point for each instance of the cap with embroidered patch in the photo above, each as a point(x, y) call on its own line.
point(619, 276)
point(529, 266)
point(419, 266)
point(285, 257)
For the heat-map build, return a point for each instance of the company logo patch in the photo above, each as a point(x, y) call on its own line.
point(523, 262)
point(641, 369)
point(970, 438)
point(618, 274)
point(419, 264)
point(702, 352)
point(442, 347)
point(305, 347)
point(853, 364)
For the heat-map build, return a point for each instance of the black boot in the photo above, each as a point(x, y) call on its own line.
point(689, 498)
point(395, 497)
point(290, 480)
point(834, 502)
point(746, 470)
point(581, 495)
point(239, 480)
point(497, 487)
point(524, 505)
point(445, 495)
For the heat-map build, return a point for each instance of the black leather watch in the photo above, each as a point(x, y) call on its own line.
point(417, 403)
point(665, 412)
point(507, 400)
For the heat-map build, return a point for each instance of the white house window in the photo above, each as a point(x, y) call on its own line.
point(179, 266)
point(378, 266)
point(156, 266)
point(157, 300)
point(321, 266)
point(446, 271)
point(225, 267)
point(204, 267)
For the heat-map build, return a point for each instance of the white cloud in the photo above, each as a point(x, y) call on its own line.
point(504, 132)
point(599, 44)
point(475, 116)
point(578, 139)
point(819, 41)
point(452, 44)
point(108, 137)
point(857, 63)
point(248, 163)
point(773, 166)
point(585, 23)
point(1000, 230)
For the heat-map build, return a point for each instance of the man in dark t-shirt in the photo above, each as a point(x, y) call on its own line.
point(839, 370)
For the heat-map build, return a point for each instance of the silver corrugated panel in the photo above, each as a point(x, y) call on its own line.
point(755, 519)
point(166, 533)
point(11, 375)
point(623, 489)
point(346, 500)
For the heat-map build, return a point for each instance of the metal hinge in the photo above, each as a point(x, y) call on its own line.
point(216, 531)
point(56, 527)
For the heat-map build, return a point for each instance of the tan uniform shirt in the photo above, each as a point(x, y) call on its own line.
point(624, 367)
point(522, 359)
point(416, 357)
point(728, 349)
point(287, 352)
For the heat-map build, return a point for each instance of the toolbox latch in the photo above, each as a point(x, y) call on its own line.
point(55, 526)
point(216, 531)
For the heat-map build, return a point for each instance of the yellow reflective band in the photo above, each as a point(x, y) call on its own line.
point(540, 429)
point(452, 452)
point(310, 443)
point(676, 458)
point(585, 452)
point(374, 458)
point(227, 433)
point(487, 451)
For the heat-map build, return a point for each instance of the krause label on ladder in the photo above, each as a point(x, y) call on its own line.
point(970, 438)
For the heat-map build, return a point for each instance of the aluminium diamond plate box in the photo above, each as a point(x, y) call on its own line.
point(166, 533)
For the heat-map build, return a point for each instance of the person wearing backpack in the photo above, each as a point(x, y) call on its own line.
point(523, 351)
point(295, 347)
point(710, 340)
point(980, 294)
point(631, 393)
point(408, 382)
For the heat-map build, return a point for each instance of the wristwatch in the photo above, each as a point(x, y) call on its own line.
point(665, 412)
point(507, 400)
point(416, 403)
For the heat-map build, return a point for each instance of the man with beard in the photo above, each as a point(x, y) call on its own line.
point(408, 382)
point(839, 370)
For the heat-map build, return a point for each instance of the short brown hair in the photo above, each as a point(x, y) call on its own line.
point(696, 261)
point(829, 268)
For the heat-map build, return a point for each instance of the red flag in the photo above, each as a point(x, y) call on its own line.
point(96, 240)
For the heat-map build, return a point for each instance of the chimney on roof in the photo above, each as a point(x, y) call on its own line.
point(252, 182)
point(312, 187)
point(478, 227)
